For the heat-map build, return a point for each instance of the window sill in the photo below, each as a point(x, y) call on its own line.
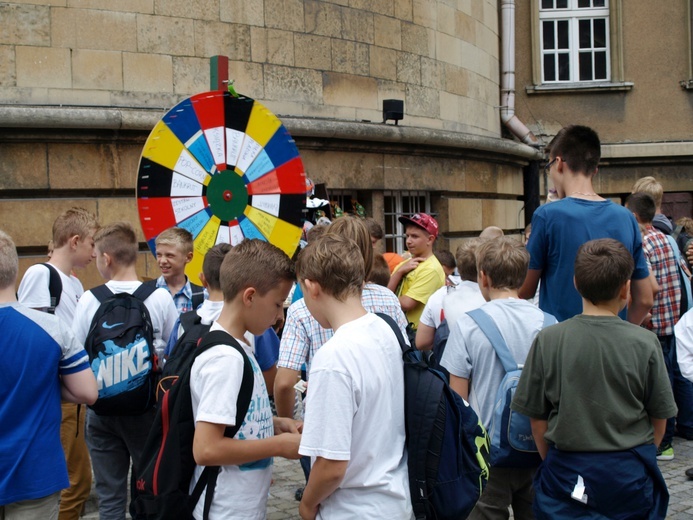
point(687, 84)
point(566, 88)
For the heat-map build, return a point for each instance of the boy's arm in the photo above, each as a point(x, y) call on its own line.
point(325, 477)
point(79, 387)
point(424, 337)
point(539, 427)
point(284, 392)
point(529, 287)
point(211, 448)
point(460, 385)
point(659, 426)
point(642, 300)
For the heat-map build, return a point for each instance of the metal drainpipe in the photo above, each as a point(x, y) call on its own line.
point(507, 108)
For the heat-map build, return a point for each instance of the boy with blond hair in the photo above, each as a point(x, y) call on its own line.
point(72, 247)
point(114, 440)
point(354, 425)
point(174, 250)
point(41, 363)
point(596, 391)
point(476, 370)
point(255, 280)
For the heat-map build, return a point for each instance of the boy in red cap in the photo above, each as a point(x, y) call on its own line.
point(414, 280)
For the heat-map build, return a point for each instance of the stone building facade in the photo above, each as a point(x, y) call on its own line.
point(82, 83)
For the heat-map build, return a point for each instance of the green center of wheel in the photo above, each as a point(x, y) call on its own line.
point(227, 195)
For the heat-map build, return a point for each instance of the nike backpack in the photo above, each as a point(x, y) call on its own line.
point(120, 345)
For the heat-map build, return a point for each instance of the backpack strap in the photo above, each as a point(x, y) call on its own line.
point(55, 287)
point(676, 232)
point(198, 295)
point(490, 329)
point(188, 320)
point(208, 479)
point(144, 291)
point(395, 328)
point(102, 293)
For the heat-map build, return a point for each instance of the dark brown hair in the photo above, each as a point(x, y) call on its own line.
point(578, 146)
point(602, 266)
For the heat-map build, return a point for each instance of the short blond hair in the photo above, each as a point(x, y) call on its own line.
point(119, 241)
point(177, 237)
point(465, 254)
point(650, 186)
point(355, 229)
point(254, 263)
point(504, 260)
point(334, 261)
point(9, 261)
point(71, 222)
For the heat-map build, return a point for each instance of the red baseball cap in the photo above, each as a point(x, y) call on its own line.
point(422, 220)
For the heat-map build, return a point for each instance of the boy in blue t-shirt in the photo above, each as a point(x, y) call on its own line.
point(561, 227)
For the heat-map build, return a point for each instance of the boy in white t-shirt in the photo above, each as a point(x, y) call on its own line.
point(255, 279)
point(73, 248)
point(354, 422)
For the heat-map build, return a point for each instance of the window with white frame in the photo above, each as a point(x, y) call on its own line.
point(574, 36)
point(397, 204)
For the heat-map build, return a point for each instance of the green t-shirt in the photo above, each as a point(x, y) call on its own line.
point(597, 380)
point(420, 284)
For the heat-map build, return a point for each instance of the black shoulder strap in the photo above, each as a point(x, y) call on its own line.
point(208, 479)
point(55, 287)
point(189, 319)
point(395, 328)
point(102, 293)
point(144, 291)
point(198, 295)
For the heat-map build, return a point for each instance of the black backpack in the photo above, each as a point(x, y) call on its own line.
point(198, 293)
point(120, 345)
point(193, 331)
point(447, 446)
point(167, 462)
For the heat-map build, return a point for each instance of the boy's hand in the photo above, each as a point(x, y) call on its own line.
point(307, 513)
point(287, 425)
point(288, 445)
point(411, 264)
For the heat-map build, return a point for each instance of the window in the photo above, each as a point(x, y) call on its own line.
point(574, 40)
point(397, 204)
point(577, 45)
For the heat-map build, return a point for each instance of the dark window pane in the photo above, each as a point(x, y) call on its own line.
point(585, 34)
point(600, 65)
point(549, 67)
point(600, 33)
point(547, 4)
point(599, 3)
point(562, 4)
point(564, 67)
point(563, 34)
point(585, 66)
point(583, 3)
point(549, 36)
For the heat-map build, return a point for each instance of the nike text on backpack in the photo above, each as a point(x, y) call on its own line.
point(447, 446)
point(182, 351)
point(512, 443)
point(120, 345)
point(167, 459)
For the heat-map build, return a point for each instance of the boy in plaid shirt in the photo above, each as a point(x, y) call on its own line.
point(667, 303)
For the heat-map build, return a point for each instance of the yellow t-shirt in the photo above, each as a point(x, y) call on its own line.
point(420, 284)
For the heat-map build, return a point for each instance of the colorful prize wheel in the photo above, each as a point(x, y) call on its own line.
point(225, 169)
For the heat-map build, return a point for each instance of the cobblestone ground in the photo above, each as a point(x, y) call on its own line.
point(288, 477)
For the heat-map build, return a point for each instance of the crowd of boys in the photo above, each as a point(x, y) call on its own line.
point(596, 388)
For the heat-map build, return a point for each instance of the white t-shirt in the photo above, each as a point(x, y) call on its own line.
point(355, 412)
point(215, 382)
point(469, 354)
point(431, 314)
point(160, 305)
point(466, 297)
point(33, 292)
point(683, 331)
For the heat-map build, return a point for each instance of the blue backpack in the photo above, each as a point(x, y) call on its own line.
point(447, 446)
point(512, 443)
